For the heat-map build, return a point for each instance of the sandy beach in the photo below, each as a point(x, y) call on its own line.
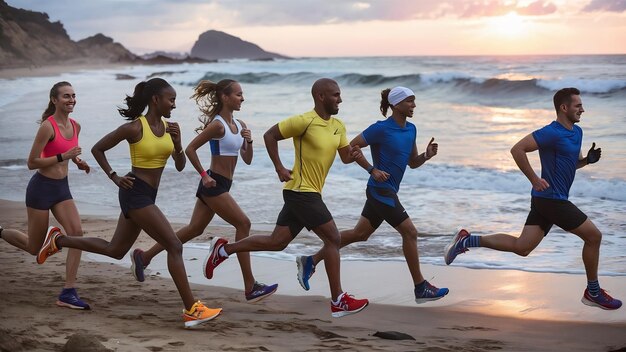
point(486, 309)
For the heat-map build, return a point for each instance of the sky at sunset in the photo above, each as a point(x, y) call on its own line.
point(353, 28)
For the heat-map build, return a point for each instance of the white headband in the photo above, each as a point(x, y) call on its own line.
point(398, 94)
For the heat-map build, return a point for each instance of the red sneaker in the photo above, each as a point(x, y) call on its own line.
point(347, 305)
point(214, 259)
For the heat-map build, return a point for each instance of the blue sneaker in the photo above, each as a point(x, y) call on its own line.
point(602, 300)
point(137, 267)
point(430, 293)
point(455, 247)
point(306, 268)
point(260, 291)
point(69, 298)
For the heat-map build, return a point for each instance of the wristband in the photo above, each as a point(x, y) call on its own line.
point(59, 157)
point(250, 141)
point(370, 169)
point(111, 173)
point(204, 173)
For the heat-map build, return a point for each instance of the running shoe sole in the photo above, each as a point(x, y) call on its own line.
point(300, 261)
point(451, 244)
point(260, 298)
point(343, 313)
point(68, 305)
point(194, 323)
point(47, 244)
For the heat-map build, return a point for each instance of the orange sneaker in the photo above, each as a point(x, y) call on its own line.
point(199, 314)
point(49, 244)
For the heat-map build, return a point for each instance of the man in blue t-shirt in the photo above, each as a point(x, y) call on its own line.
point(559, 145)
point(393, 149)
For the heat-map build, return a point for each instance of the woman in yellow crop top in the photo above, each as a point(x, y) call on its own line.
point(228, 138)
point(152, 141)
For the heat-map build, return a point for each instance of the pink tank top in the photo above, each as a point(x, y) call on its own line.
point(59, 144)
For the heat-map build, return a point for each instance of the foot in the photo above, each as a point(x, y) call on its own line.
point(49, 246)
point(69, 298)
point(429, 293)
point(214, 259)
point(347, 305)
point(455, 247)
point(260, 291)
point(306, 268)
point(199, 314)
point(602, 300)
point(138, 266)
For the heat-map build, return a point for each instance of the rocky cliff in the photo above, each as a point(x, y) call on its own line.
point(215, 45)
point(28, 38)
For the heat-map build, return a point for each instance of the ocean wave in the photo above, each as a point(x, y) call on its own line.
point(458, 80)
point(13, 164)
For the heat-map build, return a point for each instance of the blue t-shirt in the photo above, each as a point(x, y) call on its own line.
point(559, 149)
point(391, 149)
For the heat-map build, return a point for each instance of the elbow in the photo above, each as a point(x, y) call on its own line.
point(31, 165)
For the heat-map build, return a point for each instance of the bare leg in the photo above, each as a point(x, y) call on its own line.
point(200, 219)
point(37, 226)
point(330, 252)
point(277, 241)
point(360, 233)
point(524, 244)
point(225, 206)
point(409, 248)
point(67, 215)
point(591, 249)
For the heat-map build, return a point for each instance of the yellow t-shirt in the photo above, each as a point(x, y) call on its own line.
point(316, 142)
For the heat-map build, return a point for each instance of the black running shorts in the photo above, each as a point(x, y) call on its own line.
point(303, 209)
point(546, 212)
point(222, 185)
point(44, 192)
point(376, 211)
point(139, 196)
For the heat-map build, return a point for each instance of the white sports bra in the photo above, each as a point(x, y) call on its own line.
point(230, 143)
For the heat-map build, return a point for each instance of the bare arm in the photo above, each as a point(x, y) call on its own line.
point(179, 157)
point(246, 151)
point(35, 161)
point(378, 175)
point(271, 138)
point(416, 160)
point(125, 132)
point(213, 130)
point(80, 164)
point(519, 150)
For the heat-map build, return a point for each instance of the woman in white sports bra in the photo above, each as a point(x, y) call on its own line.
point(228, 138)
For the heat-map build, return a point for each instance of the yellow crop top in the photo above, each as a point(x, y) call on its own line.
point(151, 152)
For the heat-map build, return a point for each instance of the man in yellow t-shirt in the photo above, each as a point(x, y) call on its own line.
point(317, 137)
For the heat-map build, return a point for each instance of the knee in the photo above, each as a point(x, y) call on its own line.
point(278, 244)
point(243, 228)
point(523, 252)
point(175, 246)
point(410, 235)
point(594, 238)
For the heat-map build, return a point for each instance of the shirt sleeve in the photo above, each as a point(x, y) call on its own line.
point(343, 139)
point(373, 134)
point(546, 137)
point(293, 126)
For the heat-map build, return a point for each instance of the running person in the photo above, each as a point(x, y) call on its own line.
point(317, 137)
point(393, 149)
point(48, 190)
point(228, 137)
point(152, 141)
point(559, 145)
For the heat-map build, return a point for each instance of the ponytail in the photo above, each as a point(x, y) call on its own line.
point(54, 93)
point(212, 105)
point(384, 101)
point(144, 91)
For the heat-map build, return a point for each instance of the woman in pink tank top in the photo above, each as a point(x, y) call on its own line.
point(55, 144)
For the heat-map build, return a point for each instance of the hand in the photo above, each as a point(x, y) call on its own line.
point(379, 175)
point(540, 184)
point(208, 181)
point(593, 155)
point(246, 134)
point(81, 164)
point(355, 152)
point(284, 174)
point(72, 153)
point(431, 149)
point(174, 130)
point(125, 182)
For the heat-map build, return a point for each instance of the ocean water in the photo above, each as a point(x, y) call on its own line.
point(475, 107)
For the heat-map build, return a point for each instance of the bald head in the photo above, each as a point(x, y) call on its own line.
point(326, 96)
point(323, 85)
